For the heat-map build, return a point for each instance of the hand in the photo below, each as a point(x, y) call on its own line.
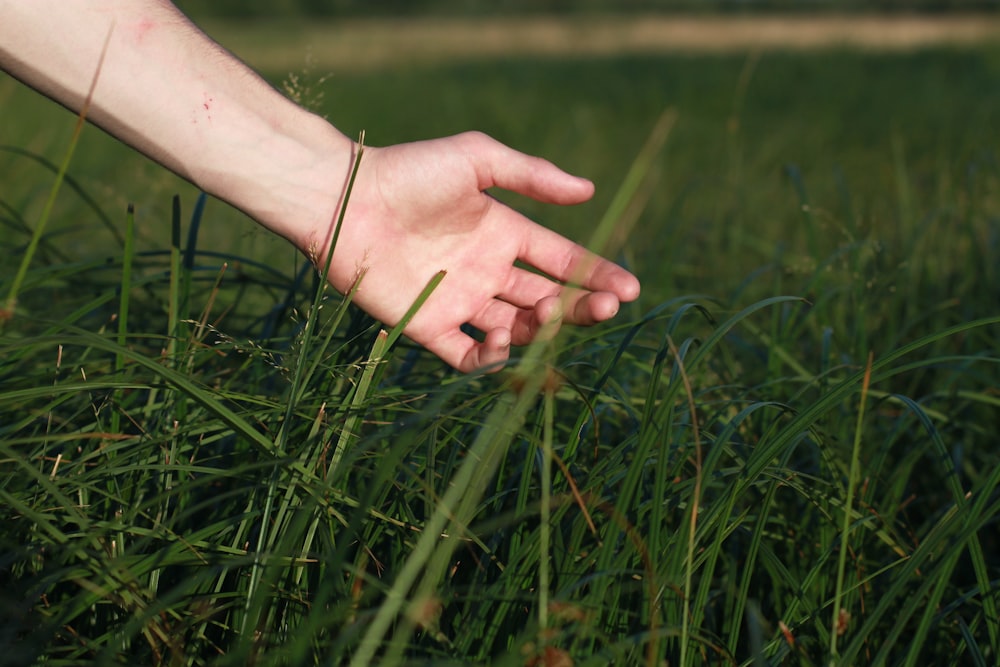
point(416, 209)
point(422, 207)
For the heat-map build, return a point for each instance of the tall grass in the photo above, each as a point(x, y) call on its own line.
point(192, 477)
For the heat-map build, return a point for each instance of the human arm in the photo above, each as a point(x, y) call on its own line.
point(170, 92)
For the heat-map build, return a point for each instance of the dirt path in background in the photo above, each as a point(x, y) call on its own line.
point(373, 44)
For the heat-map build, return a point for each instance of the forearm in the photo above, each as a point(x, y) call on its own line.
point(169, 91)
point(416, 209)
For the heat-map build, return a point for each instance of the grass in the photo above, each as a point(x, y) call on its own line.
point(784, 454)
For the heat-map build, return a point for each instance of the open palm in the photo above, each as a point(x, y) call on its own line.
point(420, 208)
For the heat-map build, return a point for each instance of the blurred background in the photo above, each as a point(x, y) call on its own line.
point(801, 126)
point(492, 7)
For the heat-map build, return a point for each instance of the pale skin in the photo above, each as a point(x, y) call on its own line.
point(169, 91)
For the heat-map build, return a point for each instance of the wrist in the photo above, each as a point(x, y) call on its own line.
point(289, 175)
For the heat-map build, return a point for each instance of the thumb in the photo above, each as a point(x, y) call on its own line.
point(498, 165)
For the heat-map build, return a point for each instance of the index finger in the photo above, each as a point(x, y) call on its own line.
point(569, 262)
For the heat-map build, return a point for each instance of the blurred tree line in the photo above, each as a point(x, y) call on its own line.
point(313, 8)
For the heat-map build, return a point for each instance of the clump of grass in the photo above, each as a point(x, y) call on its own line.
point(188, 478)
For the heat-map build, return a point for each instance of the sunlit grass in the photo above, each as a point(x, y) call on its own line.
point(211, 459)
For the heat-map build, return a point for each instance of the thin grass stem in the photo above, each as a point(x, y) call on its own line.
point(840, 614)
point(7, 311)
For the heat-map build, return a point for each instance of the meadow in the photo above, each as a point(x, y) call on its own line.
point(783, 454)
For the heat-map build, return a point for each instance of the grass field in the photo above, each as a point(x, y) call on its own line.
point(784, 453)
